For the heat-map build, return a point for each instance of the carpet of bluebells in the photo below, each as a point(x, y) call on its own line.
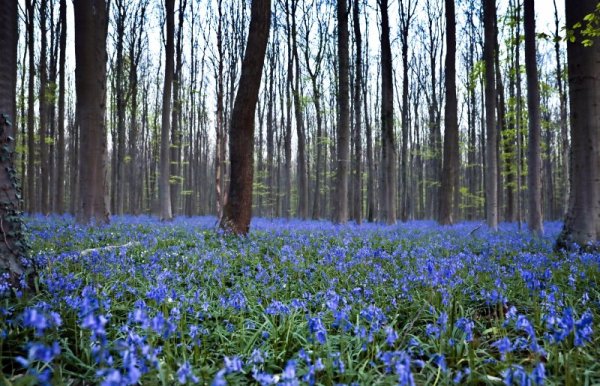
point(300, 303)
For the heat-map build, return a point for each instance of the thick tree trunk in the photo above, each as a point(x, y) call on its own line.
point(238, 209)
point(90, 80)
point(582, 223)
point(12, 239)
point(164, 187)
point(388, 155)
point(534, 169)
point(343, 129)
point(451, 156)
point(491, 175)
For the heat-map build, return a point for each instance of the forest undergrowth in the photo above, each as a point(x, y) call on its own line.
point(300, 302)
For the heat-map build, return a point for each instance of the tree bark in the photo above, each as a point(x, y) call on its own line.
point(238, 209)
point(451, 156)
point(60, 160)
point(582, 222)
point(343, 129)
point(91, 25)
point(31, 198)
point(388, 154)
point(164, 187)
point(12, 239)
point(43, 111)
point(534, 170)
point(489, 20)
point(358, 197)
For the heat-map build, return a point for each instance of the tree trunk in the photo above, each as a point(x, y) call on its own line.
point(238, 209)
point(358, 198)
point(534, 169)
point(491, 196)
point(451, 156)
point(120, 179)
point(60, 160)
point(12, 246)
point(388, 154)
point(176, 178)
point(91, 27)
point(343, 129)
point(564, 128)
point(164, 188)
point(582, 223)
point(43, 110)
point(31, 197)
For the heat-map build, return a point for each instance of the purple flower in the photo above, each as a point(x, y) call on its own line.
point(315, 326)
point(503, 345)
point(391, 336)
point(185, 374)
point(233, 365)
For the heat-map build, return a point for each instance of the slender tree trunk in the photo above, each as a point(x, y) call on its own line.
point(358, 198)
point(343, 129)
point(31, 197)
point(451, 156)
point(388, 154)
point(534, 169)
point(489, 20)
point(119, 157)
point(582, 223)
point(164, 188)
point(238, 209)
point(60, 160)
point(91, 27)
point(564, 126)
point(43, 110)
point(176, 131)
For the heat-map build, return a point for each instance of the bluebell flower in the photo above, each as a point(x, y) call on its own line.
point(288, 376)
point(504, 346)
point(583, 328)
point(185, 374)
point(233, 364)
point(111, 377)
point(391, 336)
point(466, 326)
point(316, 327)
point(264, 379)
point(219, 379)
point(539, 374)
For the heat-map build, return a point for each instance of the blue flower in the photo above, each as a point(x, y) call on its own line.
point(185, 374)
point(233, 364)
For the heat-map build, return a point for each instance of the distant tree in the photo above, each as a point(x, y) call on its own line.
point(491, 175)
point(534, 169)
point(12, 246)
point(238, 209)
point(91, 27)
point(164, 187)
point(451, 156)
point(582, 222)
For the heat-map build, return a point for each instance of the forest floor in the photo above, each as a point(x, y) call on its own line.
point(300, 303)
